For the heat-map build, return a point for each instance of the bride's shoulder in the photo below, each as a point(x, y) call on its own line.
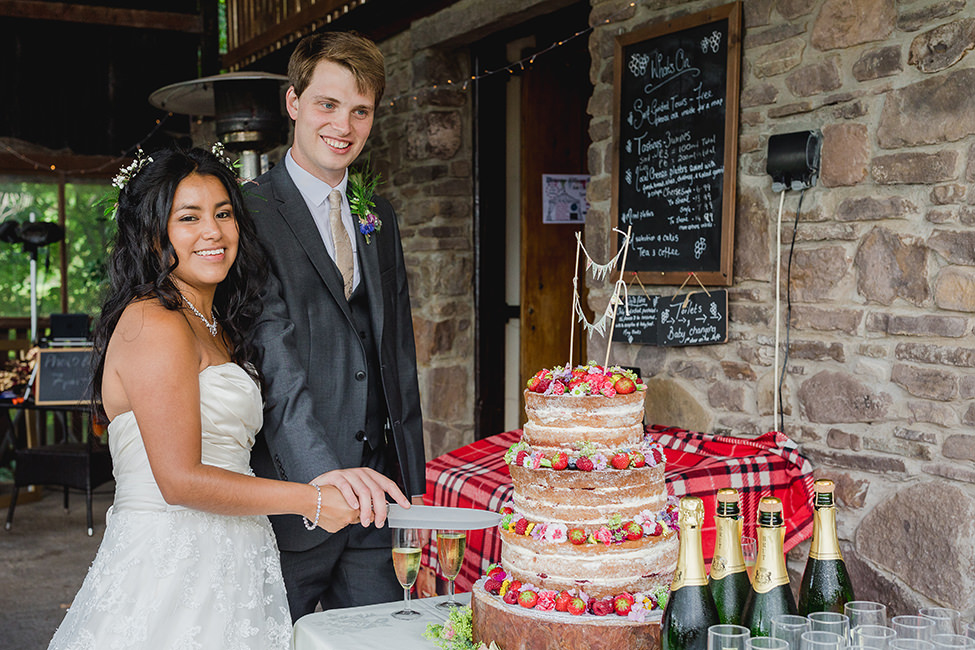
point(147, 321)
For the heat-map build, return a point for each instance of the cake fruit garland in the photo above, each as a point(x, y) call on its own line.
point(616, 530)
point(586, 457)
point(576, 602)
point(585, 380)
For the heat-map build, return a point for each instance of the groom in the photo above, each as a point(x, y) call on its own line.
point(336, 336)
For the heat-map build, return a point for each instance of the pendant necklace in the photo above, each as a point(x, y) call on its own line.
point(211, 326)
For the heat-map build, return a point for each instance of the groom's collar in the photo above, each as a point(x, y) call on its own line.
point(314, 190)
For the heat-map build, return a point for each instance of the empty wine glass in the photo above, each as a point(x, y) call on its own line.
point(952, 642)
point(822, 641)
point(830, 622)
point(913, 627)
point(451, 545)
point(865, 612)
point(873, 636)
point(789, 628)
point(728, 637)
point(407, 543)
point(945, 619)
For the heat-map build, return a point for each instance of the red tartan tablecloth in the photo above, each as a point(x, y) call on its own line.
point(698, 464)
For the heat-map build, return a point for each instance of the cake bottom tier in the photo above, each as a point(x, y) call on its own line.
point(515, 628)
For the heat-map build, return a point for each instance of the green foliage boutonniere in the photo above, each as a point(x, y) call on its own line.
point(362, 186)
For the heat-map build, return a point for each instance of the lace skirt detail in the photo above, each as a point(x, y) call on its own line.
point(181, 580)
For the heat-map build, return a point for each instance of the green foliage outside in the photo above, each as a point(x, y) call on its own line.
point(89, 232)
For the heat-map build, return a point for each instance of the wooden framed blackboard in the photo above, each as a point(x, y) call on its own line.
point(63, 375)
point(676, 146)
point(697, 318)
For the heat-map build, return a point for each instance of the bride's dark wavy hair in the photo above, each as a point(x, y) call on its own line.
point(142, 258)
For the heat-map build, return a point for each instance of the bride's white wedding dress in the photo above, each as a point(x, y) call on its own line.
point(167, 577)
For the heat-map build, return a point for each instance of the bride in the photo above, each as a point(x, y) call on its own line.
point(188, 559)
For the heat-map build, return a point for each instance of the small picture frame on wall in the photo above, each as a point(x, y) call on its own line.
point(564, 198)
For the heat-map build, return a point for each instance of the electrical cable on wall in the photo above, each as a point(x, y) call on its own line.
point(793, 163)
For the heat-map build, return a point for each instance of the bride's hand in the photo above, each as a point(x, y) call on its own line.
point(365, 491)
point(335, 513)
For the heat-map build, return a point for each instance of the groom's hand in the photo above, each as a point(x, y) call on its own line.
point(364, 490)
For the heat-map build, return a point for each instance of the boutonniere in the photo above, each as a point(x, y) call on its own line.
point(362, 186)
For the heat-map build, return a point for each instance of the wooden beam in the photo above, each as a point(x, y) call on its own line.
point(292, 28)
point(74, 13)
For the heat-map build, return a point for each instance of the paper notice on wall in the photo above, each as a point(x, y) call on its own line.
point(564, 198)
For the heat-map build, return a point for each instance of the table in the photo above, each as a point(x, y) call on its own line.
point(698, 464)
point(370, 627)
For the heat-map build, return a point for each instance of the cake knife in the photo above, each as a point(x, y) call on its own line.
point(440, 517)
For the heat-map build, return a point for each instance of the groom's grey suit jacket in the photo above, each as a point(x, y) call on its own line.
point(312, 356)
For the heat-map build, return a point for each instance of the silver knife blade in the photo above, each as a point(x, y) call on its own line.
point(441, 517)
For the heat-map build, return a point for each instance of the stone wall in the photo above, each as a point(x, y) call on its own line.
point(881, 369)
point(421, 143)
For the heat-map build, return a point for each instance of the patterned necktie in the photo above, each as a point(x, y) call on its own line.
point(340, 236)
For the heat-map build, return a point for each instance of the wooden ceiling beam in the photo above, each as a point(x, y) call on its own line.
point(136, 18)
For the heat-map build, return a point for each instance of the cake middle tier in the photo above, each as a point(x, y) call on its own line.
point(587, 498)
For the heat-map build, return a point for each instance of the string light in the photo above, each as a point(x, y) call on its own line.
point(110, 164)
point(511, 67)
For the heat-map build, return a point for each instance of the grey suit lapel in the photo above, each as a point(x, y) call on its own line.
point(295, 213)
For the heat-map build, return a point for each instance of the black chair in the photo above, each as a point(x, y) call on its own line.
point(72, 463)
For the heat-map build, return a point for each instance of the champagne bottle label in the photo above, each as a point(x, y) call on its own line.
point(770, 571)
point(825, 545)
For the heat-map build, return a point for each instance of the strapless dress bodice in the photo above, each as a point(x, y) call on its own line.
point(231, 412)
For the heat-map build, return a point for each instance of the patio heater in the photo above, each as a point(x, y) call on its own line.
point(33, 235)
point(247, 107)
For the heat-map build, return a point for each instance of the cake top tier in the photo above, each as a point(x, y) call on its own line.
point(590, 379)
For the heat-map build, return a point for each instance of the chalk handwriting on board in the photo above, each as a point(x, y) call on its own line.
point(63, 375)
point(677, 127)
point(700, 319)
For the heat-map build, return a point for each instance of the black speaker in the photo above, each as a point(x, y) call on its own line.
point(793, 160)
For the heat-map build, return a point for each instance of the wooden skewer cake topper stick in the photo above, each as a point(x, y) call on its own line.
point(575, 294)
point(617, 290)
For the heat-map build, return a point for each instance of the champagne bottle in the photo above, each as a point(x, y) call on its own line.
point(729, 579)
point(771, 594)
point(690, 609)
point(825, 583)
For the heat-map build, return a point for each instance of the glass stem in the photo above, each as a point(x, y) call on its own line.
point(406, 598)
point(450, 591)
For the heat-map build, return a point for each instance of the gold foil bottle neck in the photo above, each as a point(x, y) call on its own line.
point(690, 558)
point(770, 570)
point(691, 512)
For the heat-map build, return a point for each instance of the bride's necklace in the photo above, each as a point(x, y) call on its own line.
point(211, 326)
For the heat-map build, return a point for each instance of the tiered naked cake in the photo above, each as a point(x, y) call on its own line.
point(589, 543)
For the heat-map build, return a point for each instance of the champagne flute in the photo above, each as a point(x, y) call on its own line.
point(913, 627)
point(822, 641)
point(728, 637)
point(451, 545)
point(789, 628)
point(946, 620)
point(407, 544)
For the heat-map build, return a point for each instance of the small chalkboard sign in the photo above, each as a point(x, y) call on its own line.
point(672, 321)
point(676, 145)
point(63, 375)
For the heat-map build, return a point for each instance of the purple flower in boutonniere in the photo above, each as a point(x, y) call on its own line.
point(362, 186)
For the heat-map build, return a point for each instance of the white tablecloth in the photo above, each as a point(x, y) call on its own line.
point(371, 627)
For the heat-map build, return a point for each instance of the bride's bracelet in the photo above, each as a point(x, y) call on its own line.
point(309, 525)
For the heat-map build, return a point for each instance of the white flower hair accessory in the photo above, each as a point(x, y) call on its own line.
point(128, 172)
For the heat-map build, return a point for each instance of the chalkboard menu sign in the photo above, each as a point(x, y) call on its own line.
point(676, 145)
point(696, 319)
point(63, 375)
